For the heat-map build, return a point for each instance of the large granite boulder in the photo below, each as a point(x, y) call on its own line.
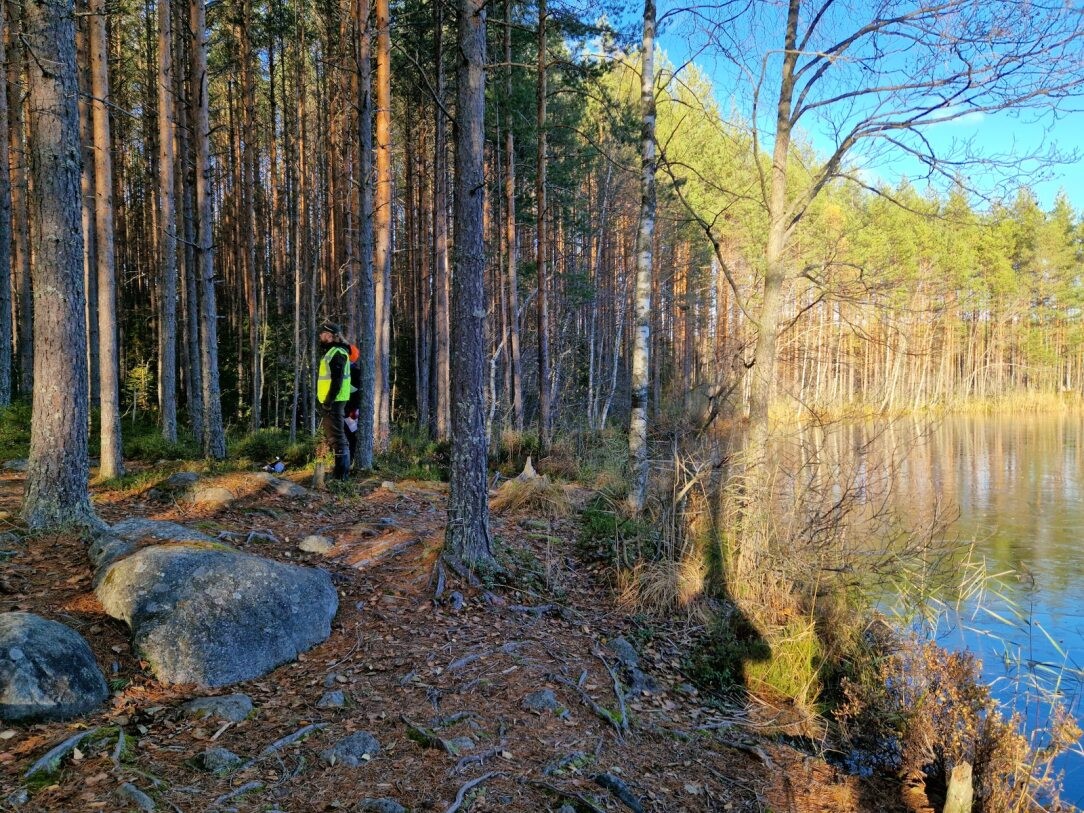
point(206, 613)
point(47, 671)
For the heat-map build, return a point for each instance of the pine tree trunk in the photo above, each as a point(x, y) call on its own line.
point(382, 230)
point(56, 491)
point(167, 225)
point(20, 191)
point(441, 411)
point(5, 233)
point(214, 438)
point(545, 374)
point(510, 228)
point(638, 457)
point(367, 339)
point(112, 462)
point(467, 540)
point(90, 259)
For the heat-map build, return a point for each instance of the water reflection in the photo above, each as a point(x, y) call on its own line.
point(1015, 486)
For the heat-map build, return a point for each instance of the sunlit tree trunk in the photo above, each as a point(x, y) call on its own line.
point(382, 229)
point(112, 463)
point(56, 492)
point(638, 456)
point(167, 225)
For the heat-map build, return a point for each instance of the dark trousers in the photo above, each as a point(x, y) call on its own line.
point(335, 432)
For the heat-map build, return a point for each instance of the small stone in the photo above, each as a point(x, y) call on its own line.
point(456, 601)
point(625, 653)
point(134, 796)
point(380, 806)
point(542, 700)
point(352, 751)
point(332, 679)
point(219, 760)
point(18, 798)
point(566, 809)
point(179, 481)
point(316, 544)
point(331, 700)
point(231, 707)
point(17, 465)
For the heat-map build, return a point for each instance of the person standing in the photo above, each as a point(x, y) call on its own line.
point(333, 391)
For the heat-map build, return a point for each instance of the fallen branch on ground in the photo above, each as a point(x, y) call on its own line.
point(463, 791)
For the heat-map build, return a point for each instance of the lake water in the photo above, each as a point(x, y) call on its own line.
point(1014, 487)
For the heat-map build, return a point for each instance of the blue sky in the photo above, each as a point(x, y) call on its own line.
point(1011, 137)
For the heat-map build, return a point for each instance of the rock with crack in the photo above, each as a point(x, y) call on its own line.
point(230, 707)
point(206, 613)
point(353, 751)
point(47, 671)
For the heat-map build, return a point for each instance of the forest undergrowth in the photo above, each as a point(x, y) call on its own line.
point(754, 690)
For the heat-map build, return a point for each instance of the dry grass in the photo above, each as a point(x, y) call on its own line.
point(662, 588)
point(536, 494)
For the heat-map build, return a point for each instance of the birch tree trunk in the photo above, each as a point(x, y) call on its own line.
point(112, 462)
point(56, 490)
point(167, 225)
point(467, 541)
point(641, 346)
point(214, 438)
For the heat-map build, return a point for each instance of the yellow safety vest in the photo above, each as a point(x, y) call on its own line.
point(323, 384)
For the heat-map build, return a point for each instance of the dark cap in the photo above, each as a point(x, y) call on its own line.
point(330, 327)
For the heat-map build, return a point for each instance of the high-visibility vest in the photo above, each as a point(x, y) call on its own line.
point(323, 384)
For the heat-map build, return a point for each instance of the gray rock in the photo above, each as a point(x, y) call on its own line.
point(106, 548)
point(456, 601)
point(566, 808)
point(331, 700)
point(542, 700)
point(219, 760)
point(208, 614)
point(625, 652)
point(179, 481)
point(232, 707)
point(380, 806)
point(352, 750)
point(17, 465)
point(333, 678)
point(641, 682)
point(135, 529)
point(134, 797)
point(213, 496)
point(282, 487)
point(47, 671)
point(316, 544)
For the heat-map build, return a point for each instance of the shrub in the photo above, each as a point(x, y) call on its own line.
point(147, 443)
point(262, 446)
point(608, 535)
point(15, 430)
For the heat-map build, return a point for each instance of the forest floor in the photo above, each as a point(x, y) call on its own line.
point(399, 655)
